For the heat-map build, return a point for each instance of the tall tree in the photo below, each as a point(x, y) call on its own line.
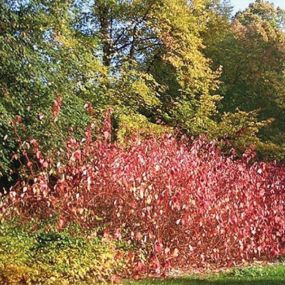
point(160, 41)
point(251, 52)
point(41, 59)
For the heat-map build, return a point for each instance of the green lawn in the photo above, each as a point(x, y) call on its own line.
point(189, 281)
point(258, 275)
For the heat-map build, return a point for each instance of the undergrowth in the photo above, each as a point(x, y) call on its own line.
point(49, 257)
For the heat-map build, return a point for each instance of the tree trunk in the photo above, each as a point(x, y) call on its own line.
point(105, 27)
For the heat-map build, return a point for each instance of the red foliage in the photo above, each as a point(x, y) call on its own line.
point(179, 203)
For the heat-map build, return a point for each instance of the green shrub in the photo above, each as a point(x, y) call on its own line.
point(52, 257)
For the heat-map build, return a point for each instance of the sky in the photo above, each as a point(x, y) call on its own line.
point(242, 4)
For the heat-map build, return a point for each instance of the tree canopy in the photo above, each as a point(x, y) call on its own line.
point(158, 64)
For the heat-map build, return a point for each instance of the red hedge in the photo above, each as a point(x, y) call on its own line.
point(178, 203)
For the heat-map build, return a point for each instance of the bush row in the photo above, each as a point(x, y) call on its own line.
point(178, 203)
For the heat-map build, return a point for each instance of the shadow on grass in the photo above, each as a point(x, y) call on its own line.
point(184, 281)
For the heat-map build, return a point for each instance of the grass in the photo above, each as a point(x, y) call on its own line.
point(255, 275)
point(185, 281)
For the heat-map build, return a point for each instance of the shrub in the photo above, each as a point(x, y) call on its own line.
point(50, 257)
point(177, 203)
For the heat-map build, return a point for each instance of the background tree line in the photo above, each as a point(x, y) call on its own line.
point(159, 64)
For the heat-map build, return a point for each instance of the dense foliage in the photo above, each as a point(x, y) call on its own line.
point(183, 64)
point(188, 167)
point(177, 203)
point(45, 256)
point(250, 50)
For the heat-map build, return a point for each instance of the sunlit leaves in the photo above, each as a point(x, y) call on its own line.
point(177, 203)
